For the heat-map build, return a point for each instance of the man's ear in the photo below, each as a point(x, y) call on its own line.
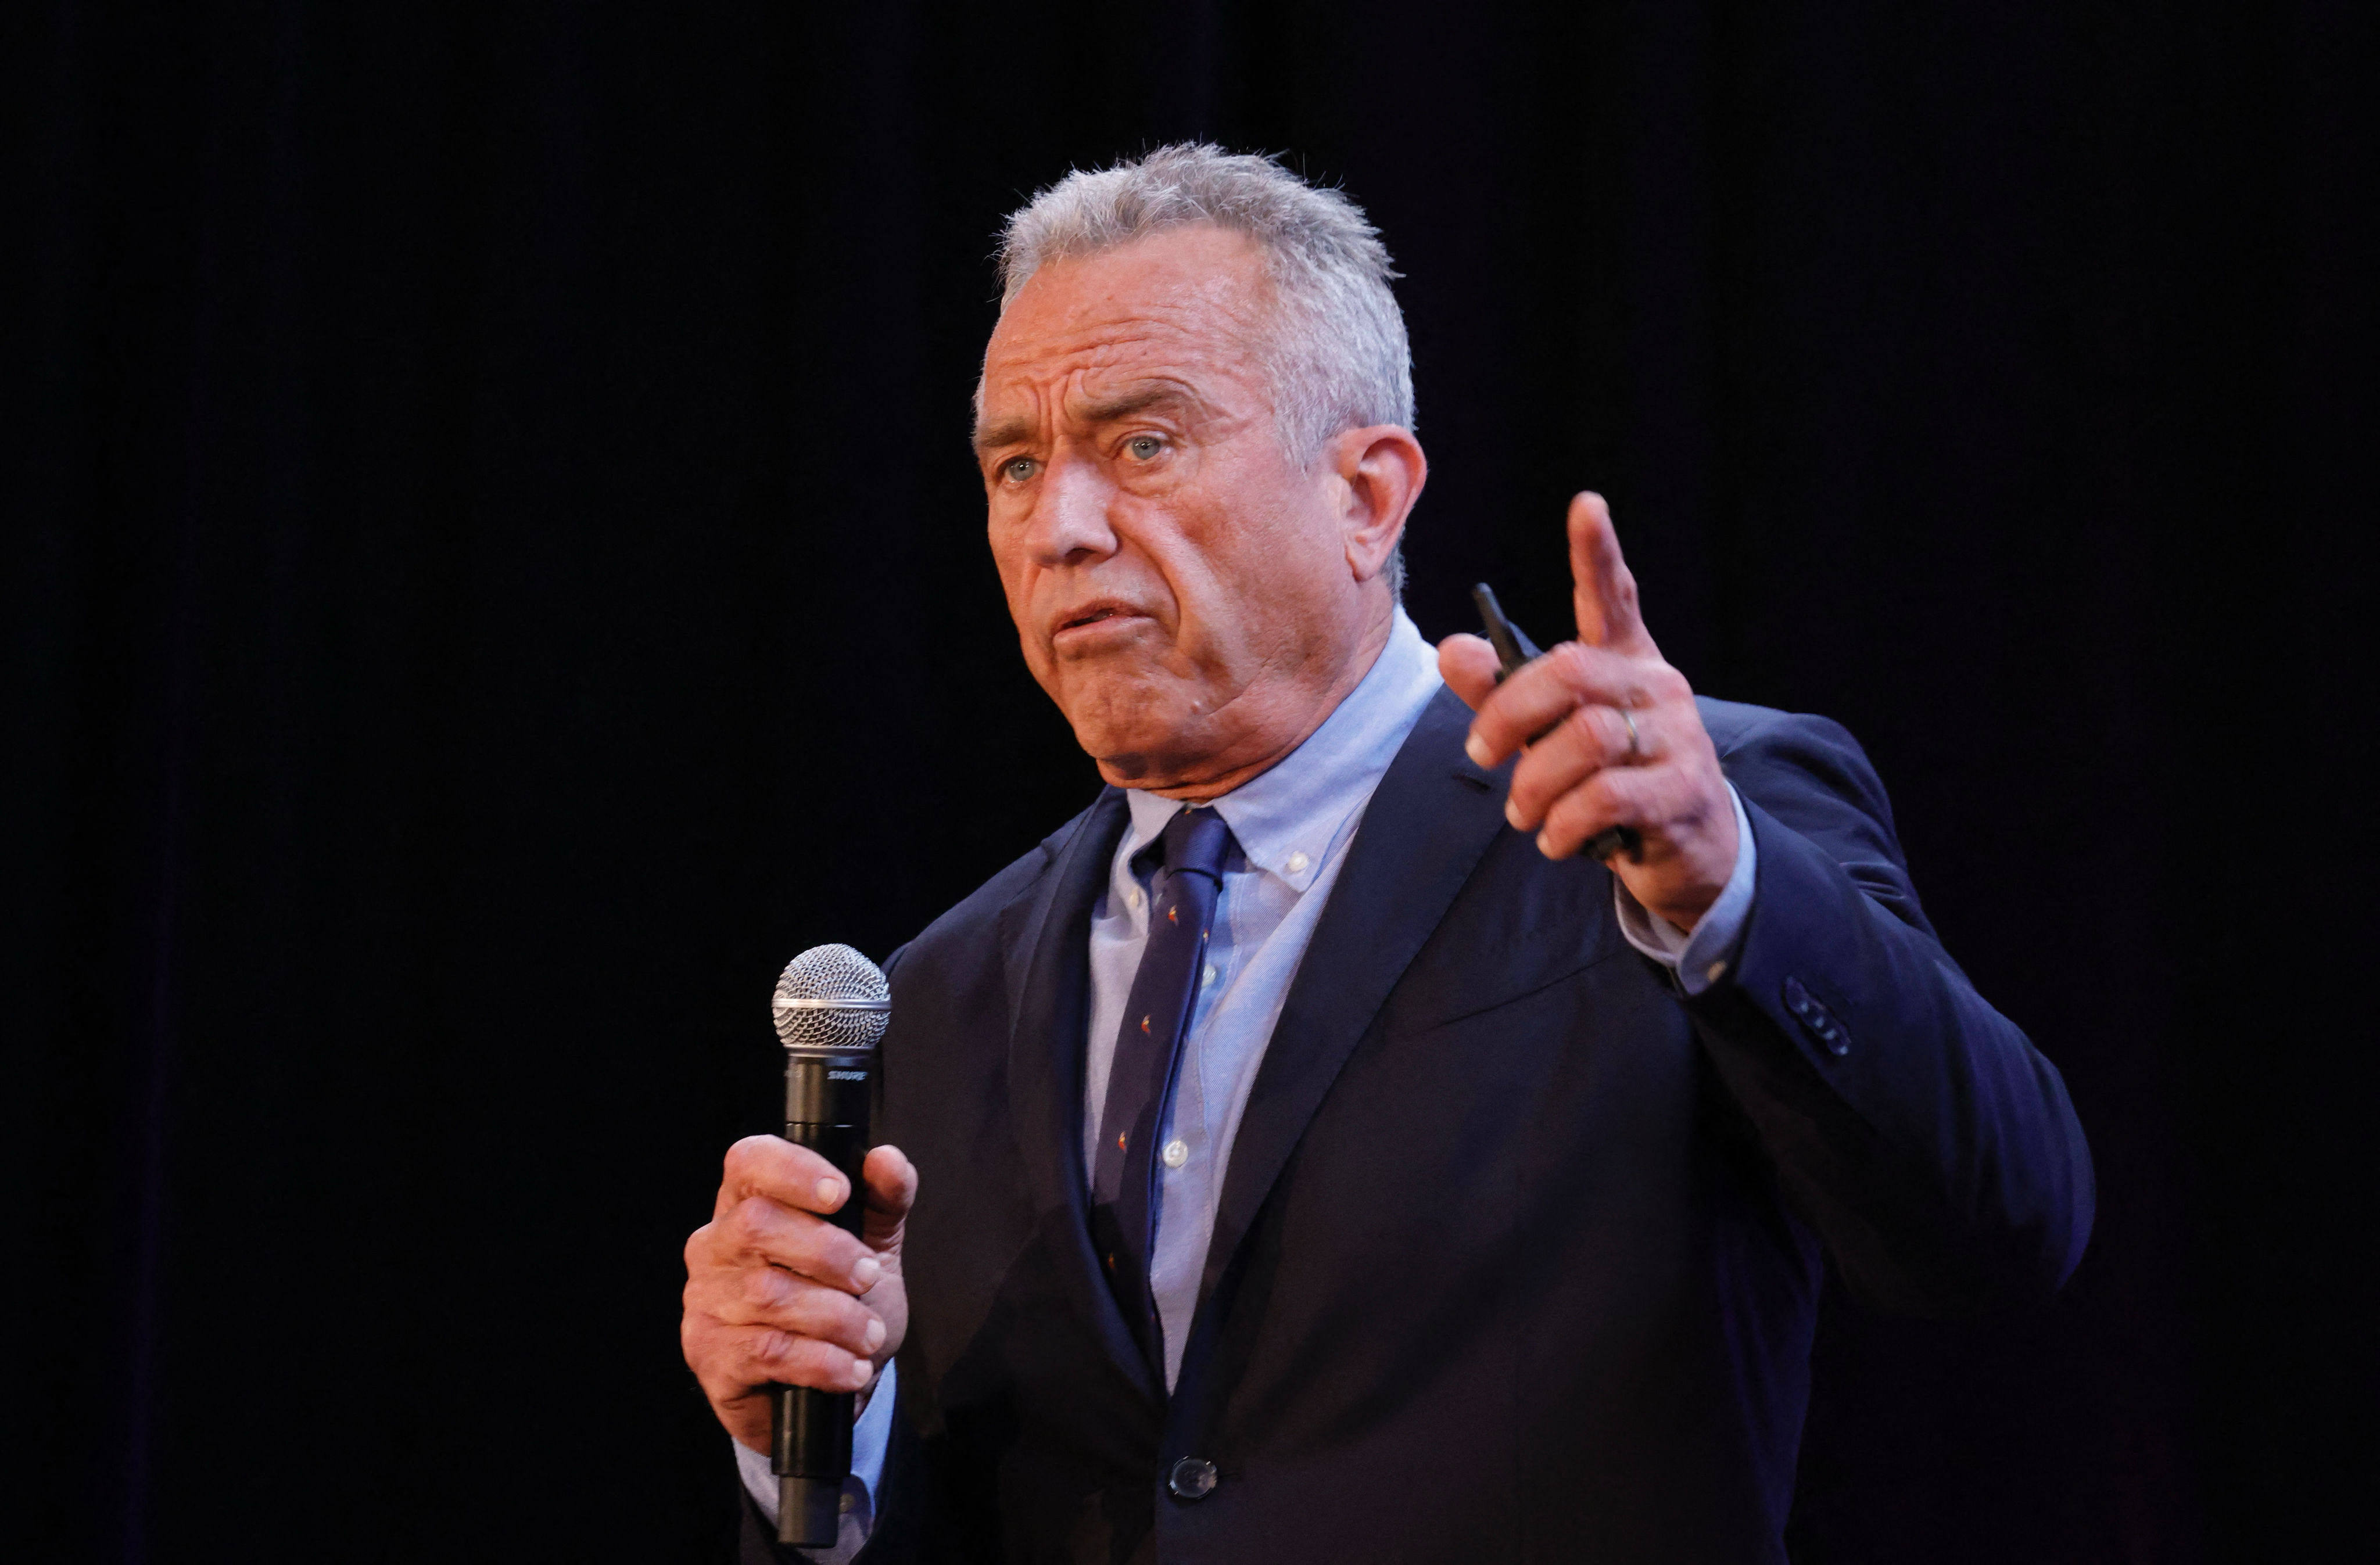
point(1380, 469)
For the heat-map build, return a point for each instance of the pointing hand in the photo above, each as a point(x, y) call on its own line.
point(1623, 743)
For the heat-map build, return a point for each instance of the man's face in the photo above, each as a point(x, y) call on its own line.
point(1181, 584)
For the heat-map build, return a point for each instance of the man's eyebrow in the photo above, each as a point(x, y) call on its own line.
point(1008, 432)
point(1148, 397)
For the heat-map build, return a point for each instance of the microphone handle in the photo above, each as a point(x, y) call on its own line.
point(827, 1100)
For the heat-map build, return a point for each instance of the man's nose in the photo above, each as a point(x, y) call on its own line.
point(1070, 514)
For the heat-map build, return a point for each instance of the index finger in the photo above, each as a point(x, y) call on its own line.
point(772, 1166)
point(1603, 590)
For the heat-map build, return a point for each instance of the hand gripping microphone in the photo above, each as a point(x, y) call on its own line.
point(831, 1006)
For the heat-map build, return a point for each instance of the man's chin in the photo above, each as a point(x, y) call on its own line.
point(1137, 760)
point(1142, 746)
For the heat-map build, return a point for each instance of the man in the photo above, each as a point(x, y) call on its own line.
point(1309, 1155)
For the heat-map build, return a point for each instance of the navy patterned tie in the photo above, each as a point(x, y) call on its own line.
point(1148, 1051)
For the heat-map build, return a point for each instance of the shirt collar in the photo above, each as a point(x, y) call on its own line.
point(1287, 819)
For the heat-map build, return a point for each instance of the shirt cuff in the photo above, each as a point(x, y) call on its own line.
point(1702, 958)
point(871, 1434)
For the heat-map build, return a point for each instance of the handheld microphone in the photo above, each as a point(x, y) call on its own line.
point(1513, 649)
point(831, 1006)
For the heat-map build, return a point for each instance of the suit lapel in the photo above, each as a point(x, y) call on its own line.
point(1429, 820)
point(1045, 939)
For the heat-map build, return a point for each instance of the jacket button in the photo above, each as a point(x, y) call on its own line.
point(1818, 1018)
point(1194, 1478)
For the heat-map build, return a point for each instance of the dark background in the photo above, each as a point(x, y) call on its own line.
point(494, 569)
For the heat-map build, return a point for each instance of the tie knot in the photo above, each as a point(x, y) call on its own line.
point(1196, 840)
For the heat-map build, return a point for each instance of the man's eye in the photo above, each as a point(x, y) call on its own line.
point(1144, 448)
point(1016, 470)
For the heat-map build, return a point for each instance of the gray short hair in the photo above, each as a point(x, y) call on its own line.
point(1340, 361)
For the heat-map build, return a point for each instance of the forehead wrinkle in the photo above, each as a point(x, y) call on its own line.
point(1100, 346)
point(1098, 378)
point(1215, 317)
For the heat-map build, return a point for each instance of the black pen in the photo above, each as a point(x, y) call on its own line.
point(1513, 647)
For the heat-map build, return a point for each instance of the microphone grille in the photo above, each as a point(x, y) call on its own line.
point(831, 998)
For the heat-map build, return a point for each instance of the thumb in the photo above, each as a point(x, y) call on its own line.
point(891, 1182)
point(1468, 665)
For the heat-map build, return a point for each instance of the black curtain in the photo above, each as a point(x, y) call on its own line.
point(494, 569)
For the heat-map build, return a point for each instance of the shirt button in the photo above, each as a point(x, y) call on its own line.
point(1177, 1152)
point(1193, 1478)
point(1210, 972)
point(1295, 864)
point(1716, 971)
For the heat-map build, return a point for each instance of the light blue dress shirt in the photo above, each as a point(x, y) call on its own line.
point(1293, 826)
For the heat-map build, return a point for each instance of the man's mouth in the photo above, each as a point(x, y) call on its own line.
point(1096, 613)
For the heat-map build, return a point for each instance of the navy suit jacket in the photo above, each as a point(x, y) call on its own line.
point(1518, 1251)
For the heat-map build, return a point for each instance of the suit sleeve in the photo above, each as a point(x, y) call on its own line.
point(1915, 1128)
